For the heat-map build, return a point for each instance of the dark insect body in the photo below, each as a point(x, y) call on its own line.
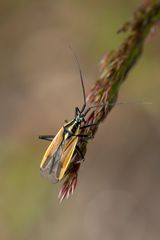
point(58, 155)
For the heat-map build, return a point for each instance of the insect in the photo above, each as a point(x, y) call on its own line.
point(58, 155)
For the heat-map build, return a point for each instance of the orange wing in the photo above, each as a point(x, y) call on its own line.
point(58, 155)
point(66, 157)
point(51, 150)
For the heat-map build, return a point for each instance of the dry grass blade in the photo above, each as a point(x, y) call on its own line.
point(114, 68)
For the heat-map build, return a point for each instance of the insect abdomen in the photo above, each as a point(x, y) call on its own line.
point(74, 128)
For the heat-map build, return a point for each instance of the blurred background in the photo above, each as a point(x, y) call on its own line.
point(118, 194)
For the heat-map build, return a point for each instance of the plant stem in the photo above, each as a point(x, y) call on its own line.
point(114, 68)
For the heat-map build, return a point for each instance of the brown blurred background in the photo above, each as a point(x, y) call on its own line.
point(118, 194)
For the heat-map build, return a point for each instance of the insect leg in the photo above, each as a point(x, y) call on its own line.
point(81, 135)
point(79, 152)
point(47, 137)
point(86, 136)
point(90, 125)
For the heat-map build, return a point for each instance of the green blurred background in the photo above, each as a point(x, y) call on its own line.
point(118, 194)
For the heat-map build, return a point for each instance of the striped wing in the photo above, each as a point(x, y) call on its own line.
point(58, 155)
point(66, 157)
point(48, 159)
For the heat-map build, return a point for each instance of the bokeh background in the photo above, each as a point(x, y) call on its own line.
point(118, 195)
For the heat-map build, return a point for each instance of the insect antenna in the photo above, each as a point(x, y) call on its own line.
point(81, 77)
point(120, 103)
point(116, 103)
